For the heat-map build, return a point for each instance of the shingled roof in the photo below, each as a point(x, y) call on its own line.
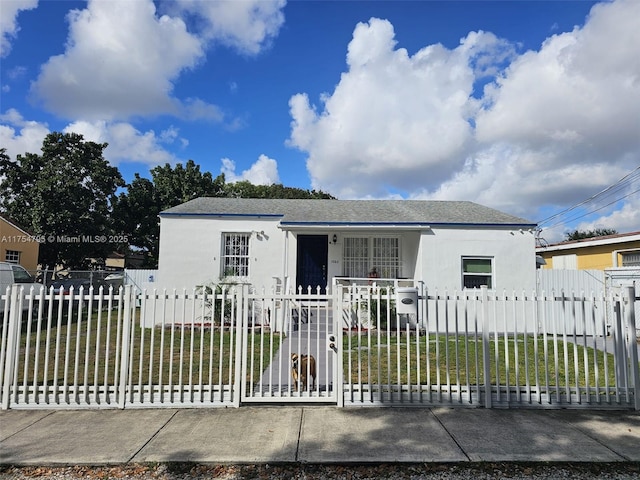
point(351, 212)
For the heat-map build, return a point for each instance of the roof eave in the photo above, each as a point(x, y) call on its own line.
point(589, 243)
point(220, 215)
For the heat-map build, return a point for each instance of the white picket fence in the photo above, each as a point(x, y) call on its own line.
point(233, 345)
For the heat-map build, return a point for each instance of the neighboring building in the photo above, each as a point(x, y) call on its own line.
point(18, 246)
point(597, 253)
point(267, 243)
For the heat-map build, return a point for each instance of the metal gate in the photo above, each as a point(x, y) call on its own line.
point(290, 348)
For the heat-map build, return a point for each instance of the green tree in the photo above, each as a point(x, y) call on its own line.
point(136, 210)
point(245, 189)
point(65, 195)
point(581, 234)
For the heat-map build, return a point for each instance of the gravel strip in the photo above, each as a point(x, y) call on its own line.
point(426, 471)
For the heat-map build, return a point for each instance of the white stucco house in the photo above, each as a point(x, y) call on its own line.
point(266, 243)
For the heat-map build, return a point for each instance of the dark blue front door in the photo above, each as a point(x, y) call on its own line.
point(312, 261)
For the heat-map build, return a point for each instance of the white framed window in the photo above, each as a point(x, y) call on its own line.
point(631, 259)
point(235, 254)
point(12, 256)
point(477, 271)
point(361, 254)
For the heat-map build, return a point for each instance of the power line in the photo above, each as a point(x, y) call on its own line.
point(594, 210)
point(612, 189)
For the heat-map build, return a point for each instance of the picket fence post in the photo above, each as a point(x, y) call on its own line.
point(241, 324)
point(11, 348)
point(632, 347)
point(125, 347)
point(486, 345)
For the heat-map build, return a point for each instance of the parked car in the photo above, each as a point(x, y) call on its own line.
point(115, 280)
point(12, 274)
point(78, 280)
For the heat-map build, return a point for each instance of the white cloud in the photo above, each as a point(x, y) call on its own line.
point(123, 59)
point(394, 120)
point(8, 21)
point(625, 219)
point(561, 123)
point(248, 25)
point(126, 143)
point(263, 172)
point(550, 129)
point(19, 136)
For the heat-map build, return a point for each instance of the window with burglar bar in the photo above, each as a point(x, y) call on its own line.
point(361, 254)
point(235, 256)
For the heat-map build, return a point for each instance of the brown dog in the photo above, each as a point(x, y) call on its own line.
point(300, 367)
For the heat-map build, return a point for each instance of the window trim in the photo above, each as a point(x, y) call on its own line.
point(224, 256)
point(465, 275)
point(12, 256)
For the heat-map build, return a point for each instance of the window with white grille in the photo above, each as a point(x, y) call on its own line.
point(235, 255)
point(631, 259)
point(12, 256)
point(356, 257)
point(386, 256)
point(361, 254)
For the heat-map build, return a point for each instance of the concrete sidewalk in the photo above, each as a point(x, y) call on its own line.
point(313, 434)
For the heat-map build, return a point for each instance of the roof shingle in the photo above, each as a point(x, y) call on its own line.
point(427, 212)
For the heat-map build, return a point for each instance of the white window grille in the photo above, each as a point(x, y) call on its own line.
point(235, 256)
point(356, 257)
point(631, 259)
point(12, 256)
point(476, 272)
point(361, 254)
point(386, 256)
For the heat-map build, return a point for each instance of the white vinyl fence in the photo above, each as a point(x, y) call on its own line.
point(231, 345)
point(580, 282)
point(484, 348)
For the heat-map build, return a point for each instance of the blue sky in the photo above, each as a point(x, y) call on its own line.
point(528, 107)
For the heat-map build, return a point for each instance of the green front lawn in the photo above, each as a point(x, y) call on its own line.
point(439, 359)
point(90, 352)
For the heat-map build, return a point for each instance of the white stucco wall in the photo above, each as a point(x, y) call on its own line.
point(190, 250)
point(513, 253)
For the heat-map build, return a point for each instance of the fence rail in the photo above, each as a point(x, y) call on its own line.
point(227, 346)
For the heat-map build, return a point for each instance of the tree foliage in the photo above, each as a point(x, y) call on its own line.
point(68, 193)
point(582, 234)
point(245, 189)
point(138, 208)
point(63, 195)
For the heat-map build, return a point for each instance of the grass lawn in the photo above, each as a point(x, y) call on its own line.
point(439, 359)
point(90, 352)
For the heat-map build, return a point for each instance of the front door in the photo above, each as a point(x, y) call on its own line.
point(311, 270)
